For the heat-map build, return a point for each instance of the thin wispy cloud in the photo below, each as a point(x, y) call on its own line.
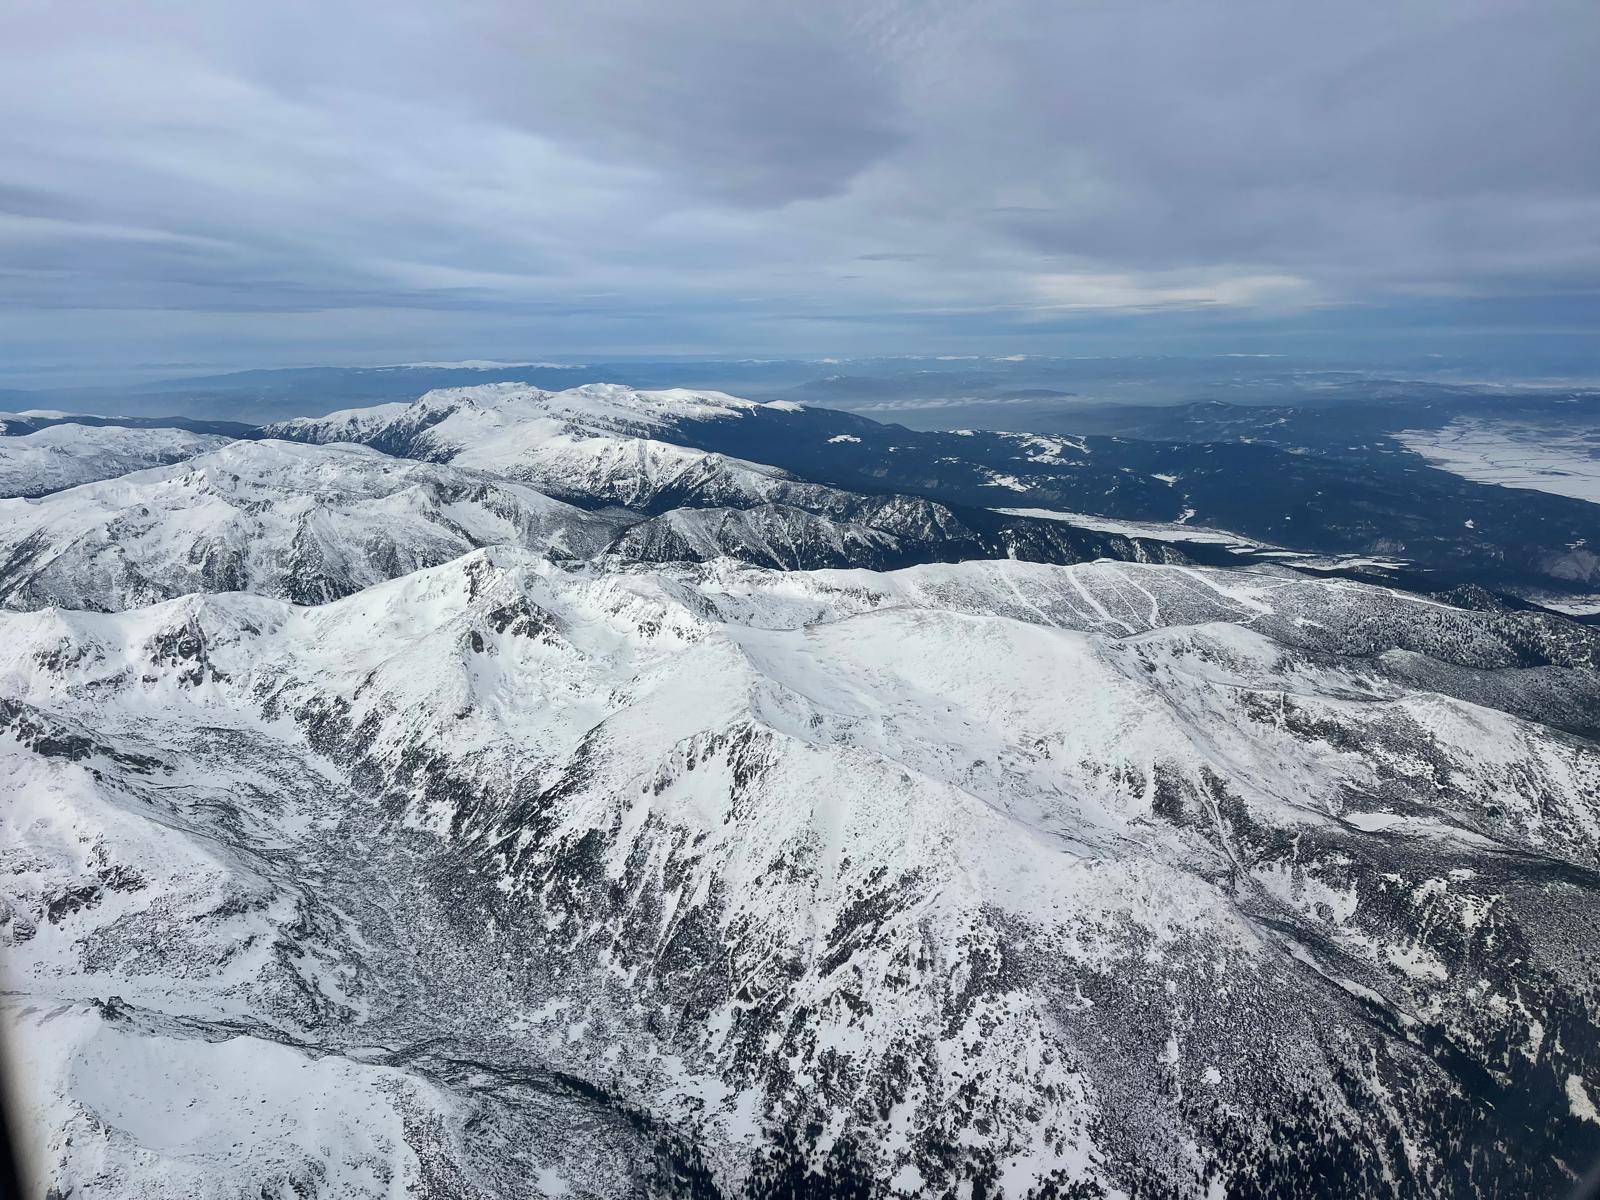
point(231, 179)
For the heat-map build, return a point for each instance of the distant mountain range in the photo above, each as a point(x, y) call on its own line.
point(1325, 480)
point(1386, 504)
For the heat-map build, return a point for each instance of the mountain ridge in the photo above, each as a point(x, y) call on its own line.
point(723, 722)
point(1450, 530)
point(583, 843)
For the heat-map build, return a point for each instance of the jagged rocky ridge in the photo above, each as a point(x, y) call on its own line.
point(991, 877)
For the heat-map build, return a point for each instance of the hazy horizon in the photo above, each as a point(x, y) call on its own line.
point(1370, 184)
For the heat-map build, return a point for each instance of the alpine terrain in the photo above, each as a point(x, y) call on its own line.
point(618, 793)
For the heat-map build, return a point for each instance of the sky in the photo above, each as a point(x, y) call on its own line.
point(202, 186)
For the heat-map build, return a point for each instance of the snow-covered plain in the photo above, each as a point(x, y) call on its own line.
point(1164, 530)
point(1544, 457)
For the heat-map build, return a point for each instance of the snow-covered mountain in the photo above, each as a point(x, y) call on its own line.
point(596, 443)
point(505, 806)
point(313, 522)
point(1376, 503)
point(62, 456)
point(306, 523)
point(602, 445)
point(522, 877)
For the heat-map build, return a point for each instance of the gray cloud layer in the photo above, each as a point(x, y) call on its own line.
point(245, 179)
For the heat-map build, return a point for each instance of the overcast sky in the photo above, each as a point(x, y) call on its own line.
point(235, 183)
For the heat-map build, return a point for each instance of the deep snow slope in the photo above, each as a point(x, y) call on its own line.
point(510, 877)
point(61, 456)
